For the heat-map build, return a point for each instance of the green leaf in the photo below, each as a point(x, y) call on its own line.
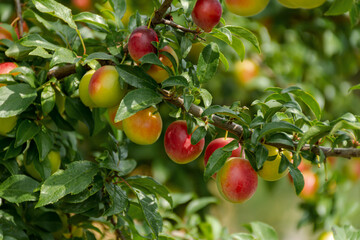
point(262, 231)
point(280, 138)
point(18, 189)
point(224, 61)
point(206, 96)
point(346, 233)
point(47, 99)
point(355, 14)
point(339, 7)
point(216, 109)
point(310, 101)
point(119, 7)
point(242, 236)
point(223, 34)
point(208, 62)
point(123, 167)
point(298, 179)
point(88, 17)
point(179, 81)
point(63, 55)
point(150, 210)
point(149, 185)
point(215, 163)
point(73, 180)
point(40, 52)
point(102, 56)
point(272, 127)
point(44, 143)
point(26, 131)
point(188, 100)
point(246, 34)
point(49, 221)
point(198, 134)
point(151, 58)
point(35, 40)
point(75, 109)
point(56, 9)
point(135, 101)
point(198, 204)
point(261, 154)
point(118, 197)
point(185, 46)
point(14, 99)
point(239, 47)
point(312, 132)
point(136, 77)
point(95, 187)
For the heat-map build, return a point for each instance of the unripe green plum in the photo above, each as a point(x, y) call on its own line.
point(219, 143)
point(84, 89)
point(53, 158)
point(194, 53)
point(7, 124)
point(246, 8)
point(207, 14)
point(112, 114)
point(104, 87)
point(158, 73)
point(270, 169)
point(307, 4)
point(237, 181)
point(326, 236)
point(177, 143)
point(140, 42)
point(144, 127)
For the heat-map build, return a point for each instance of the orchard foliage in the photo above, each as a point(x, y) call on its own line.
point(78, 75)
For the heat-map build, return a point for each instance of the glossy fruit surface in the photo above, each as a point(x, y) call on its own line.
point(104, 87)
point(311, 185)
point(219, 143)
point(84, 5)
point(245, 71)
point(178, 145)
point(206, 14)
point(53, 158)
point(326, 236)
point(140, 42)
point(7, 67)
point(7, 124)
point(307, 4)
point(84, 89)
point(270, 169)
point(112, 114)
point(194, 53)
point(246, 7)
point(159, 73)
point(144, 127)
point(237, 181)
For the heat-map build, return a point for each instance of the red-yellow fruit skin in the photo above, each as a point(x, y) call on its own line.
point(219, 143)
point(84, 5)
point(84, 89)
point(237, 181)
point(7, 67)
point(246, 8)
point(104, 87)
point(177, 143)
point(25, 29)
point(206, 14)
point(144, 127)
point(112, 114)
point(158, 73)
point(139, 43)
point(270, 169)
point(311, 185)
point(352, 169)
point(245, 71)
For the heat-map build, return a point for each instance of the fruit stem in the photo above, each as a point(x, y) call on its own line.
point(151, 17)
point(226, 134)
point(82, 41)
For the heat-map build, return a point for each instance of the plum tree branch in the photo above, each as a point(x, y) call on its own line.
point(159, 13)
point(19, 15)
point(175, 25)
point(237, 130)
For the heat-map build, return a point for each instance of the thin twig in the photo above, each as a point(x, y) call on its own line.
point(119, 234)
point(175, 25)
point(19, 15)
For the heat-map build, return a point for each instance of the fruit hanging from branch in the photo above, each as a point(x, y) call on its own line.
point(206, 14)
